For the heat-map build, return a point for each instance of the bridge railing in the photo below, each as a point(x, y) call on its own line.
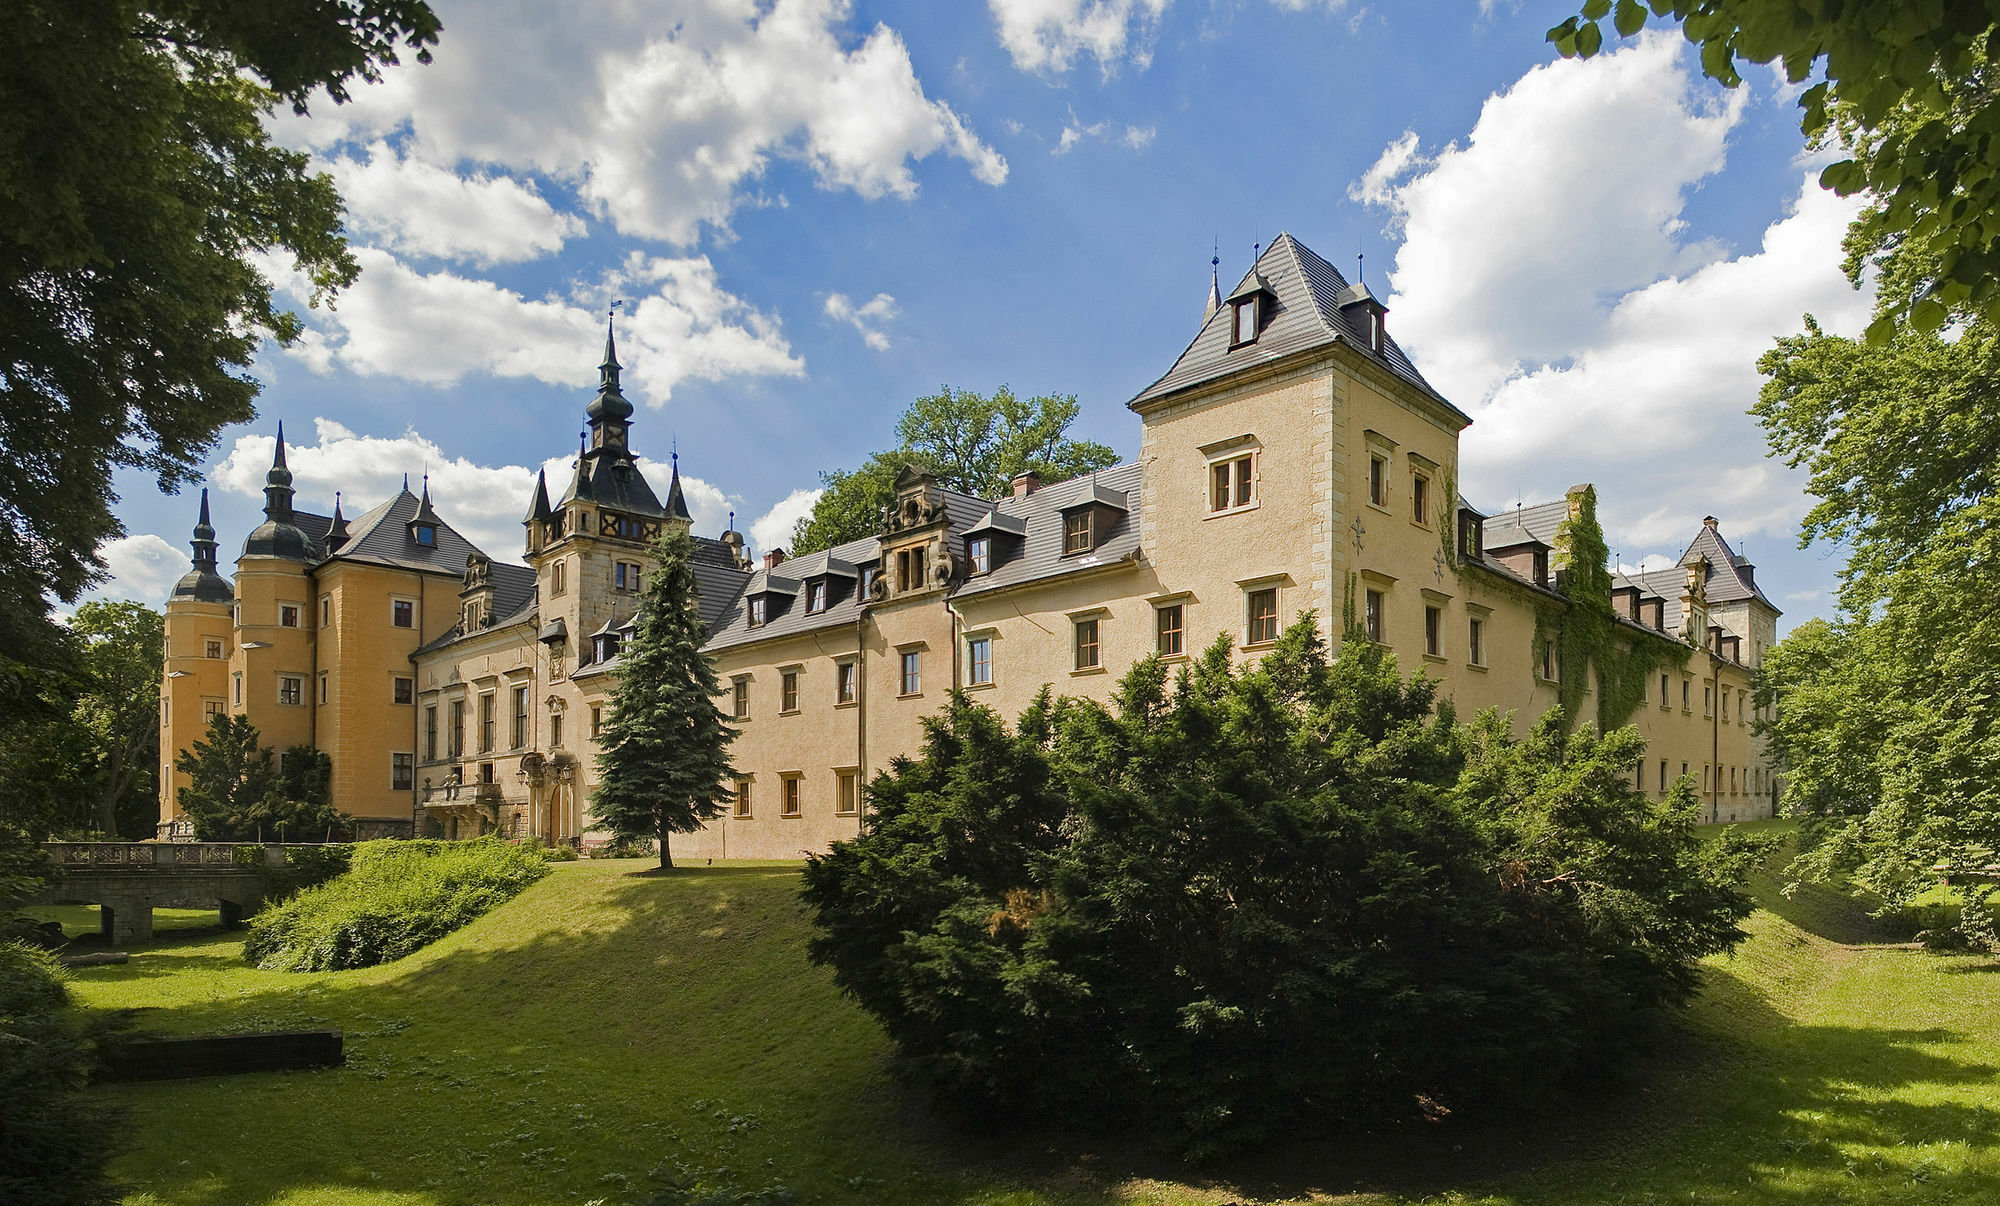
point(181, 856)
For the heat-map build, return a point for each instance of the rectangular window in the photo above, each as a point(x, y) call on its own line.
point(430, 734)
point(1371, 615)
point(979, 662)
point(1663, 775)
point(1263, 617)
point(1725, 705)
point(326, 611)
point(743, 797)
point(212, 649)
point(626, 577)
point(1076, 533)
point(596, 721)
point(288, 615)
point(1378, 481)
point(846, 792)
point(1707, 700)
point(815, 597)
point(555, 730)
point(741, 689)
point(1740, 715)
point(486, 772)
point(1475, 642)
point(1246, 321)
point(1087, 655)
point(1684, 770)
point(756, 610)
point(843, 683)
point(291, 689)
point(1549, 660)
point(1639, 776)
point(868, 575)
point(559, 577)
point(979, 554)
point(211, 707)
point(455, 737)
point(403, 613)
point(402, 772)
point(1685, 684)
point(322, 690)
point(1707, 784)
point(1420, 499)
point(520, 733)
point(1170, 624)
point(1434, 631)
point(1663, 690)
point(238, 677)
point(486, 704)
point(788, 691)
point(792, 793)
point(1231, 484)
point(403, 690)
point(913, 672)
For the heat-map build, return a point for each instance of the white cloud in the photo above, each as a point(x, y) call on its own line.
point(406, 205)
point(868, 318)
point(1075, 131)
point(1550, 286)
point(439, 327)
point(143, 567)
point(664, 117)
point(773, 529)
point(1051, 35)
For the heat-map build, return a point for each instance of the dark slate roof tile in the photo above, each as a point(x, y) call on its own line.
point(1039, 555)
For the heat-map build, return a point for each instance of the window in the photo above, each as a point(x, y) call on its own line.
point(791, 795)
point(1263, 616)
point(430, 734)
point(846, 792)
point(1378, 481)
point(1663, 774)
point(291, 689)
point(1707, 700)
point(1371, 615)
point(1170, 626)
point(1475, 641)
point(520, 733)
point(212, 649)
point(596, 721)
point(743, 797)
point(486, 772)
point(403, 690)
point(1706, 783)
point(1420, 499)
point(1639, 776)
point(1740, 715)
point(910, 569)
point(1732, 780)
point(211, 707)
point(326, 611)
point(559, 577)
point(625, 577)
point(288, 615)
point(426, 534)
point(1076, 533)
point(403, 613)
point(402, 772)
point(868, 576)
point(1231, 484)
point(1087, 654)
point(1685, 684)
point(238, 678)
point(486, 722)
point(322, 689)
point(913, 672)
point(555, 730)
point(979, 662)
point(756, 610)
point(456, 737)
point(815, 597)
point(1245, 330)
point(1434, 631)
point(788, 691)
point(843, 683)
point(1663, 690)
point(979, 554)
point(741, 698)
point(1725, 706)
point(1549, 660)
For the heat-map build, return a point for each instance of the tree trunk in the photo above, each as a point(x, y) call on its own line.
point(113, 787)
point(666, 859)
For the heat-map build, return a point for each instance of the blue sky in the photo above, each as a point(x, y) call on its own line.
point(818, 210)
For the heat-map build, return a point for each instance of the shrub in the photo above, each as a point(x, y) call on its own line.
point(1244, 901)
point(560, 852)
point(626, 848)
point(54, 1140)
point(396, 897)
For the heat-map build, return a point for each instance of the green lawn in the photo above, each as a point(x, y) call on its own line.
point(606, 1023)
point(80, 921)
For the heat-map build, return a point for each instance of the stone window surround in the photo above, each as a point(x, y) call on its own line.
point(1219, 452)
point(1094, 616)
point(1185, 601)
point(992, 638)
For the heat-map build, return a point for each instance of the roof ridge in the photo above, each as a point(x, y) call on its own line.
point(1293, 247)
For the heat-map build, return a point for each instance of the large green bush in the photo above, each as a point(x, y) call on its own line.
point(54, 1139)
point(396, 897)
point(1243, 901)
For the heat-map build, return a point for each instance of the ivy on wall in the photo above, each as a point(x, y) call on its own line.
point(1587, 634)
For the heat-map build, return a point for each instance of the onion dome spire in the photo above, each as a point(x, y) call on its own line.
point(278, 484)
point(202, 584)
point(610, 403)
point(278, 535)
point(203, 543)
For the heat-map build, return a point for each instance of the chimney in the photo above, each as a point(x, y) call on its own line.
point(1025, 484)
point(774, 558)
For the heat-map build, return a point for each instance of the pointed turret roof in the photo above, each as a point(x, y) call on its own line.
point(539, 508)
point(202, 583)
point(424, 512)
point(677, 507)
point(336, 532)
point(279, 534)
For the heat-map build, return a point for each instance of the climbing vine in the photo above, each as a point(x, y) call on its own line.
point(1587, 633)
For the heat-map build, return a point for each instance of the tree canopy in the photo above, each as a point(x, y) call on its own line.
point(1907, 89)
point(239, 793)
point(137, 188)
point(665, 748)
point(1240, 902)
point(974, 443)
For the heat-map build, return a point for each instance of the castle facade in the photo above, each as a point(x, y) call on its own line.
point(1292, 459)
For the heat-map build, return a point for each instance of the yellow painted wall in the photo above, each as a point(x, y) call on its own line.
point(191, 683)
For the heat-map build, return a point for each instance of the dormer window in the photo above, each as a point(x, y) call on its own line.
point(979, 553)
point(1246, 323)
point(425, 534)
point(1076, 533)
point(815, 597)
point(1246, 317)
point(607, 647)
point(757, 611)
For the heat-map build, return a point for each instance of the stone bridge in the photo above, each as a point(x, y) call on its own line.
point(128, 880)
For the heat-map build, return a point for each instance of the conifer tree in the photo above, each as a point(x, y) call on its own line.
point(665, 747)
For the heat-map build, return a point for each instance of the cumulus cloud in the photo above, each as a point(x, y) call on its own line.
point(1549, 285)
point(664, 123)
point(405, 205)
point(1075, 131)
point(1052, 35)
point(773, 529)
point(868, 319)
point(142, 567)
point(439, 327)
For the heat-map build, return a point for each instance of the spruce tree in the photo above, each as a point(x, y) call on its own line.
point(665, 747)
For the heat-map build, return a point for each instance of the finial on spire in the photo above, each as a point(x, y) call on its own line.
point(1360, 267)
point(406, 483)
point(1214, 302)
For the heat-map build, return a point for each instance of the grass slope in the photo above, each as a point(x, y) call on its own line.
point(606, 1023)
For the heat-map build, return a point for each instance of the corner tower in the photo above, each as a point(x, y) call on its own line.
point(272, 669)
point(194, 681)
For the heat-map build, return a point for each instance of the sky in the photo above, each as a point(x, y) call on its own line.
point(815, 211)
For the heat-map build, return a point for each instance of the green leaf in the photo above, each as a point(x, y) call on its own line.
point(1631, 18)
point(1594, 10)
point(1589, 39)
point(1881, 332)
point(1928, 315)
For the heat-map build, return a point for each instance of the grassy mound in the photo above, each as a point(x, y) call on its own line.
point(396, 897)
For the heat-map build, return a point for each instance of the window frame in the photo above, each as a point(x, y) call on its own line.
point(522, 708)
point(1177, 631)
point(791, 798)
point(846, 683)
point(816, 596)
point(297, 692)
point(1373, 622)
point(847, 791)
point(1233, 481)
point(1086, 644)
point(430, 732)
point(402, 691)
point(291, 615)
point(741, 809)
point(910, 677)
point(1420, 498)
point(758, 612)
point(403, 613)
point(212, 649)
point(1433, 631)
point(1249, 308)
point(788, 692)
point(402, 771)
point(1252, 616)
point(1071, 531)
point(1378, 480)
point(979, 554)
point(739, 699)
point(979, 659)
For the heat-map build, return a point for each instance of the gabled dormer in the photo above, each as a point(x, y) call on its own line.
point(1366, 316)
point(827, 586)
point(993, 541)
point(423, 525)
point(1249, 309)
point(1089, 517)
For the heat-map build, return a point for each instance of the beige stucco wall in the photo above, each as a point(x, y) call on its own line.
point(190, 682)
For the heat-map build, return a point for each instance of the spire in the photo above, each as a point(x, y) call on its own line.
point(677, 507)
point(336, 532)
point(610, 403)
point(424, 513)
point(539, 509)
point(203, 543)
point(278, 485)
point(1214, 285)
point(202, 584)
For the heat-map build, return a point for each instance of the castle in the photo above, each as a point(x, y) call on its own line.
point(1291, 459)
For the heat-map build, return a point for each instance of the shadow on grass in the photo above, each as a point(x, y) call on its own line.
point(568, 1045)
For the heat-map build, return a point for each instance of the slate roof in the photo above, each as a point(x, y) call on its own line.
point(1523, 524)
point(382, 537)
point(610, 477)
point(1733, 579)
point(1305, 314)
point(1040, 555)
